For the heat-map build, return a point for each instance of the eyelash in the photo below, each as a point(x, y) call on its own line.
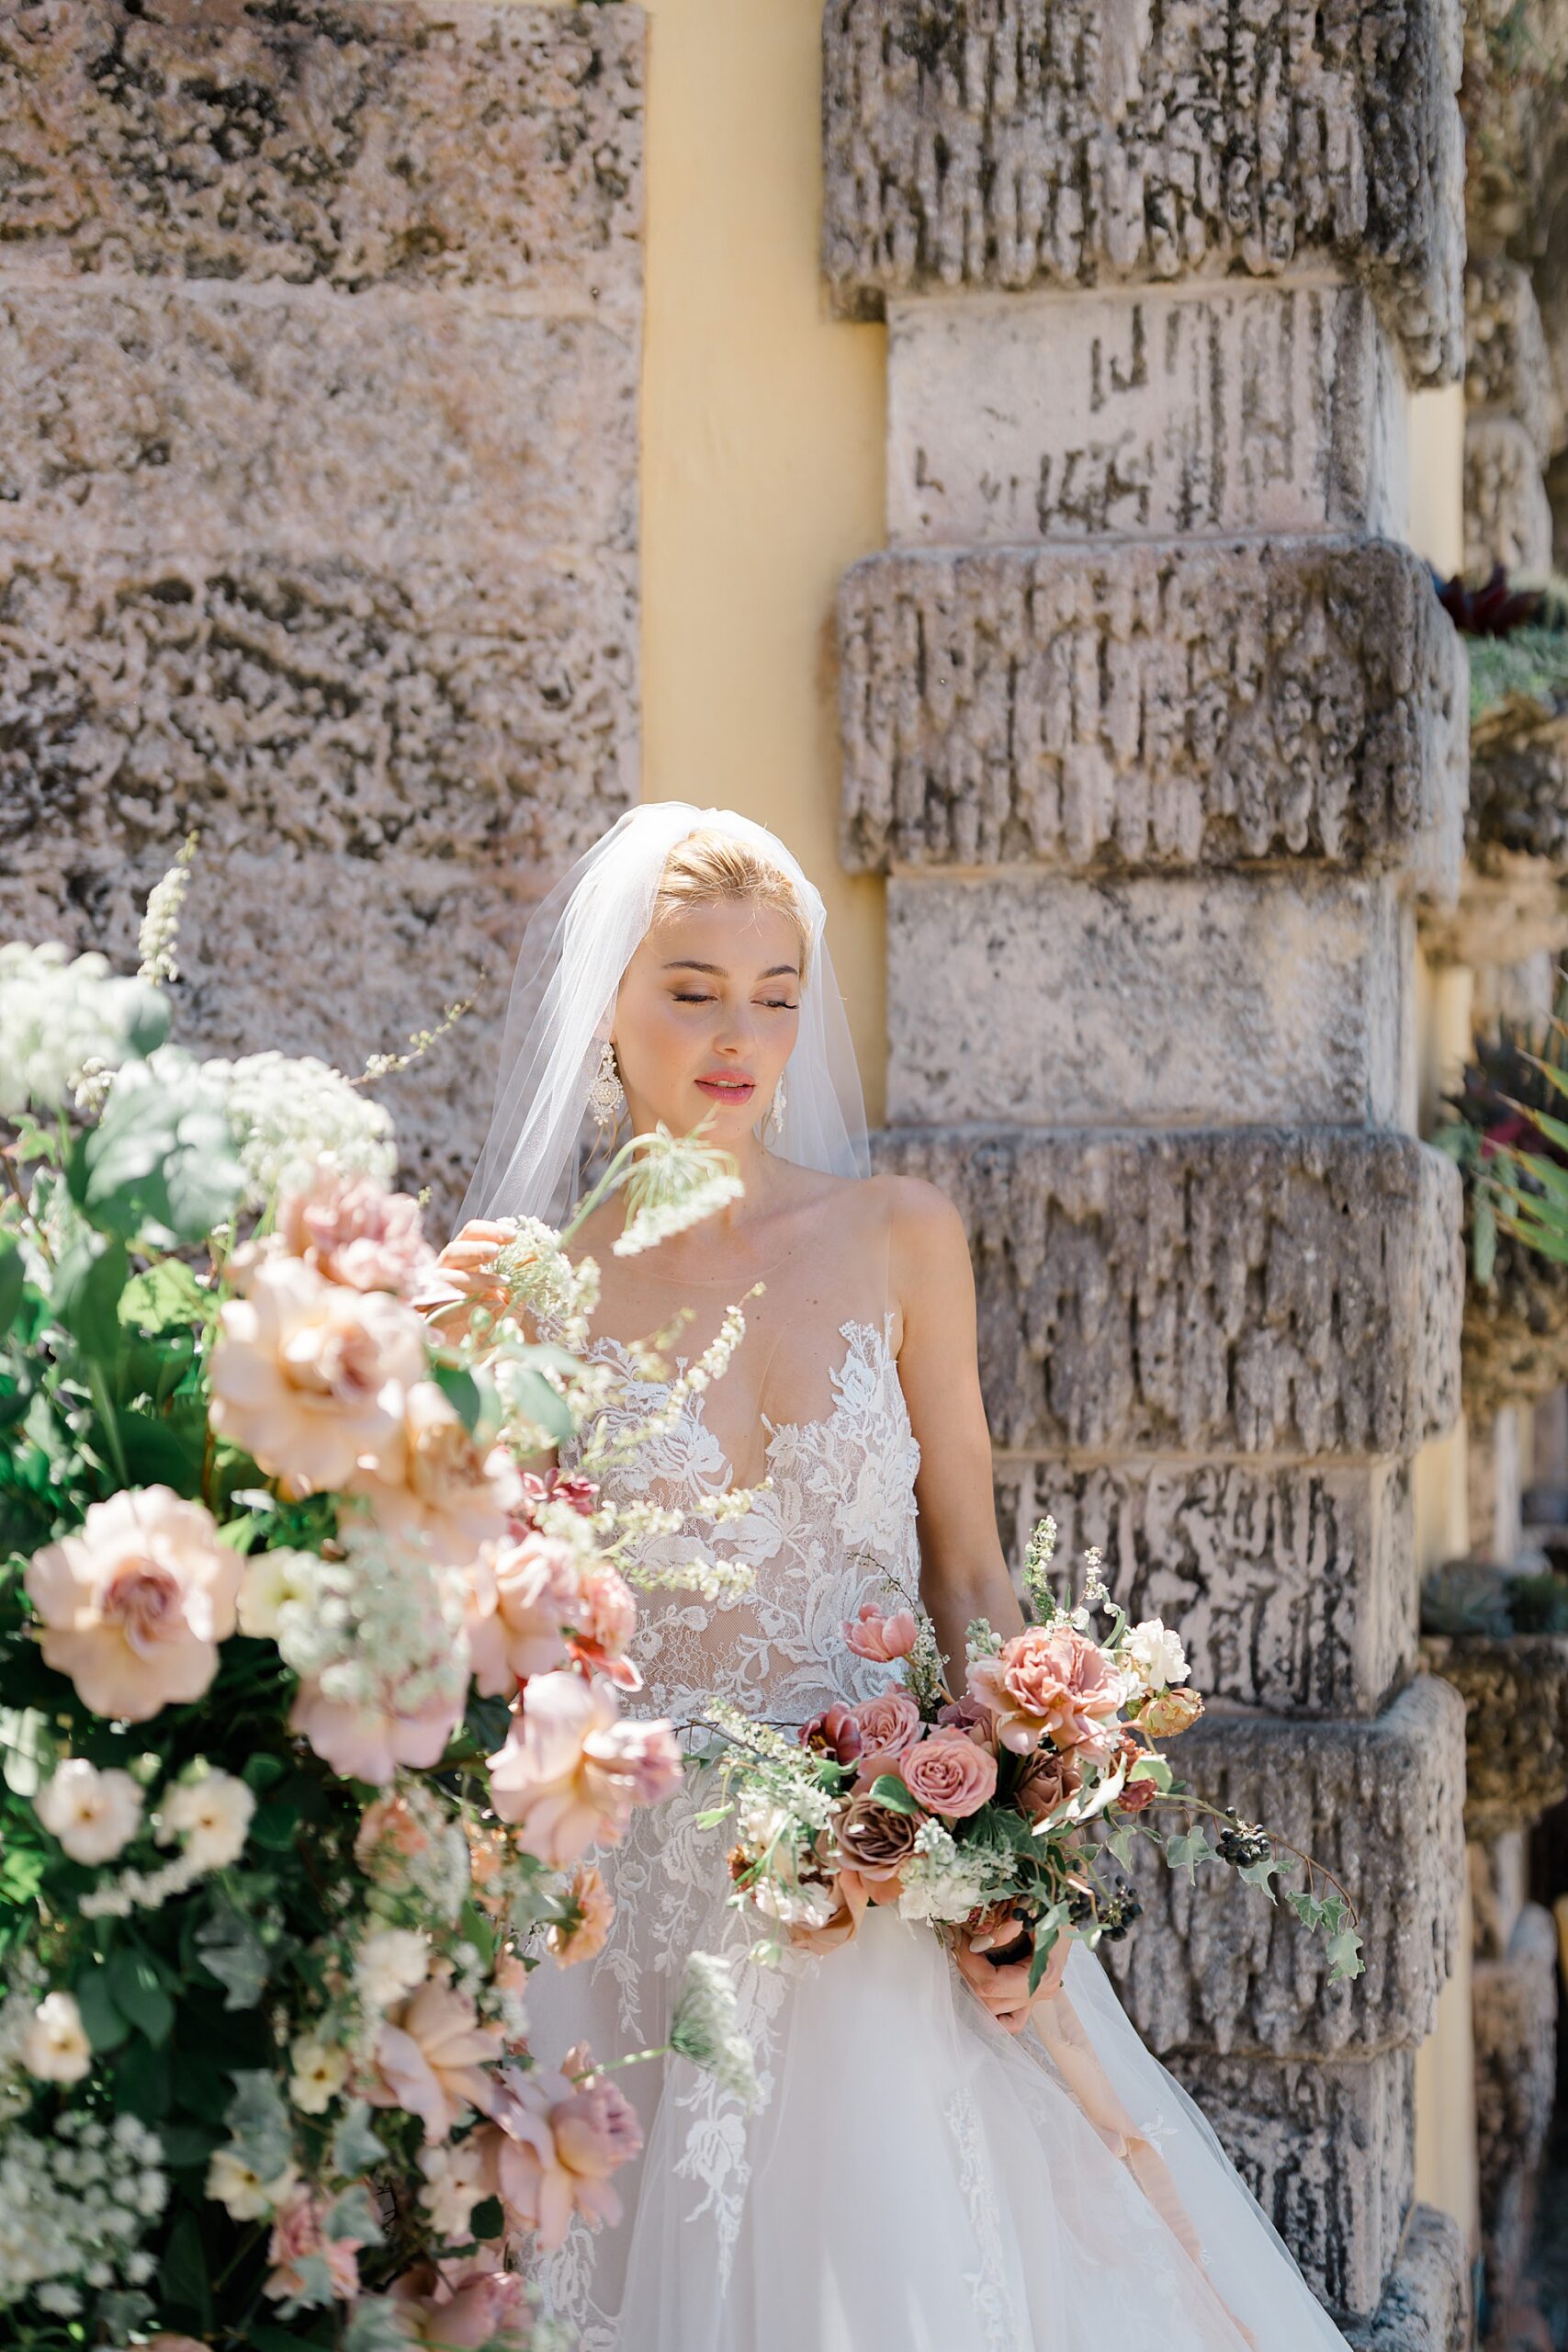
point(771, 1005)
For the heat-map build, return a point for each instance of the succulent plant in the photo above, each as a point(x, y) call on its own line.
point(1493, 609)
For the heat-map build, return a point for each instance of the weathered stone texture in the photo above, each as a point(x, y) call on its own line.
point(1225, 999)
point(1510, 905)
point(1514, 2011)
point(374, 143)
point(1258, 1292)
point(1328, 2151)
point(1160, 706)
point(316, 704)
point(146, 417)
point(1426, 2305)
point(1518, 783)
point(1516, 55)
point(1507, 518)
point(1294, 1588)
point(1199, 410)
point(1516, 1695)
point(1078, 142)
point(1506, 365)
point(1212, 1968)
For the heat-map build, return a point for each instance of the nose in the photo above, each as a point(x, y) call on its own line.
point(736, 1032)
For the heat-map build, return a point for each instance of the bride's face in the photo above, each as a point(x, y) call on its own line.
point(707, 1017)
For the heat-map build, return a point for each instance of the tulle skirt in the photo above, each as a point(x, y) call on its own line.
point(915, 2179)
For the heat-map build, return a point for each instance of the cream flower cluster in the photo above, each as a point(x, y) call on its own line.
point(74, 2208)
point(57, 1017)
point(946, 1880)
point(208, 1814)
point(290, 1113)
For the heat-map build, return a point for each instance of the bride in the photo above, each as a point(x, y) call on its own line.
point(913, 2177)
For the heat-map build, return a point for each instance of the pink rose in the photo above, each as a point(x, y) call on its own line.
point(596, 1912)
point(431, 2054)
point(559, 2140)
point(432, 1479)
point(571, 1771)
point(368, 1743)
point(353, 1233)
point(132, 1607)
point(949, 1774)
point(834, 1733)
point(1045, 1780)
point(881, 1638)
point(1050, 1682)
point(532, 1590)
point(458, 2307)
point(888, 1725)
point(875, 1842)
point(299, 2231)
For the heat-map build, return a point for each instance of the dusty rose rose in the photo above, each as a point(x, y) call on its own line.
point(434, 1481)
point(609, 1621)
point(525, 1593)
point(881, 1638)
point(431, 2053)
point(1050, 1681)
point(968, 1714)
point(1136, 1796)
point(458, 2307)
point(370, 1743)
point(949, 1773)
point(1169, 1712)
point(876, 1841)
point(1046, 1780)
point(299, 2231)
point(132, 1607)
point(311, 1378)
point(562, 1486)
point(596, 1906)
point(390, 1835)
point(571, 1771)
point(561, 2141)
point(834, 1733)
point(353, 1233)
point(888, 1725)
point(994, 1957)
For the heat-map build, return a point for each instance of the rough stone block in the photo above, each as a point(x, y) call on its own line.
point(1514, 2003)
point(1225, 999)
point(1153, 706)
point(1518, 797)
point(475, 145)
point(295, 947)
point(1259, 1292)
point(1211, 1966)
point(1499, 1888)
point(1516, 54)
point(1328, 2151)
point(1507, 515)
point(1294, 1589)
point(223, 421)
point(1426, 2305)
point(1143, 414)
point(1507, 369)
point(319, 704)
point(1510, 905)
point(1515, 1696)
point(1080, 142)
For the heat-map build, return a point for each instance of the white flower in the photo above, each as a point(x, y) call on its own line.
point(63, 2301)
point(56, 2049)
point(240, 2189)
point(389, 1965)
point(289, 1116)
point(56, 1017)
point(319, 2073)
point(94, 1814)
point(455, 2181)
point(1156, 1654)
point(212, 1815)
point(705, 2028)
point(272, 1579)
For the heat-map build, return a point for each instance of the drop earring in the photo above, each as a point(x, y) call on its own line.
point(773, 1128)
point(606, 1096)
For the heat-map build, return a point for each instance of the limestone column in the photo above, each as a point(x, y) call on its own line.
point(1157, 731)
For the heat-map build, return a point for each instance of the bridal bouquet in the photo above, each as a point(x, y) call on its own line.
point(309, 1704)
point(1000, 1818)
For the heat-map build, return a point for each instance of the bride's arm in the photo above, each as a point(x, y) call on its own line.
point(962, 1571)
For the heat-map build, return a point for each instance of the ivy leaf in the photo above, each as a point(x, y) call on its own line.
point(233, 1951)
point(355, 2148)
point(1345, 1956)
point(1257, 1873)
point(1187, 1849)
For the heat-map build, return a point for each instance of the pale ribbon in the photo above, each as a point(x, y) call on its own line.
point(1061, 2033)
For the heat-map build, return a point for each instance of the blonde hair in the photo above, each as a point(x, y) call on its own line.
point(708, 867)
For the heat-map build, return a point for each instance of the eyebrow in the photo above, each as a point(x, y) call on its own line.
point(690, 964)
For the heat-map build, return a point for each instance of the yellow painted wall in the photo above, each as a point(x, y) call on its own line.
point(763, 422)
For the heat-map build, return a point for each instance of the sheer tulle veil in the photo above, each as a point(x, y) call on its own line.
point(575, 947)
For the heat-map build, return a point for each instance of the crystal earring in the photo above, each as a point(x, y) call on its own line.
point(606, 1096)
point(774, 1129)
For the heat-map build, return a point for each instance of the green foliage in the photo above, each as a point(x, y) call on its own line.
point(1532, 663)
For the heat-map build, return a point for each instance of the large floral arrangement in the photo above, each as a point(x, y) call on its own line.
point(1005, 1819)
point(312, 1705)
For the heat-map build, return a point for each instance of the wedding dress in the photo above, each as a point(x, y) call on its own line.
point(914, 2179)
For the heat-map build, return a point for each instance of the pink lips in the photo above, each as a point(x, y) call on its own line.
point(727, 1089)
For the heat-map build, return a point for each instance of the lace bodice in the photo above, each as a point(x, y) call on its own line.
point(837, 1517)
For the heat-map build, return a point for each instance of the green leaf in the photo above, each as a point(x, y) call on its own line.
point(461, 1391)
point(87, 1287)
point(889, 1791)
point(713, 1815)
point(1155, 1769)
point(137, 1992)
point(1345, 1956)
point(163, 1298)
point(355, 2147)
point(13, 1277)
point(164, 1450)
point(532, 1396)
point(187, 2146)
point(1044, 1944)
point(489, 2219)
point(182, 2274)
point(1257, 1873)
point(1120, 1842)
point(1187, 1849)
point(106, 2027)
point(155, 1163)
point(232, 1950)
point(142, 2080)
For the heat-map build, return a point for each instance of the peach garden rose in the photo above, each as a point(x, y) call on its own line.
point(1049, 1682)
point(432, 1479)
point(571, 1771)
point(949, 1773)
point(132, 1607)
